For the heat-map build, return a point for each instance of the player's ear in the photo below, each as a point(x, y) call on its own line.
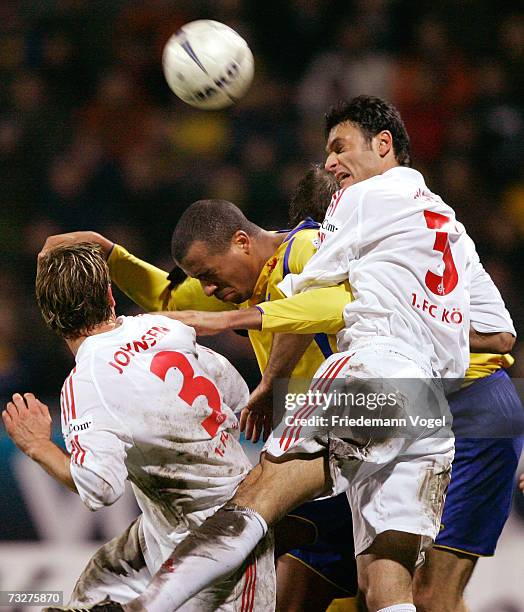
point(384, 142)
point(110, 297)
point(242, 241)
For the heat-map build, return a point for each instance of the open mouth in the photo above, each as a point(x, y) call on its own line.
point(342, 176)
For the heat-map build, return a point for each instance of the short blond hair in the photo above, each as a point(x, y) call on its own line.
point(72, 285)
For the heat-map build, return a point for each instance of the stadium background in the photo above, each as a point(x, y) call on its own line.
point(91, 138)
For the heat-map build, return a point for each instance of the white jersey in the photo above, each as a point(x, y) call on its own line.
point(146, 403)
point(488, 313)
point(409, 265)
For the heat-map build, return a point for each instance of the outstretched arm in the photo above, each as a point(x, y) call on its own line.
point(210, 323)
point(286, 351)
point(311, 312)
point(74, 238)
point(28, 424)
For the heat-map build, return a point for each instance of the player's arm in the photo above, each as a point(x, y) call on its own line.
point(142, 282)
point(496, 342)
point(311, 312)
point(149, 286)
point(286, 351)
point(491, 329)
point(71, 238)
point(28, 424)
point(145, 284)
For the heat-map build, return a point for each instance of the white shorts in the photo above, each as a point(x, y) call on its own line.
point(118, 569)
point(395, 477)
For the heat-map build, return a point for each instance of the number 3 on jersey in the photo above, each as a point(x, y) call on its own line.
point(192, 386)
point(441, 285)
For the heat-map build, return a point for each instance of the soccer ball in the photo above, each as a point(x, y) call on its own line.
point(207, 64)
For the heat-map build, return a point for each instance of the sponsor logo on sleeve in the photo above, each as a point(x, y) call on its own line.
point(78, 426)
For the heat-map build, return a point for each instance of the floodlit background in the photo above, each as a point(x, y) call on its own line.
point(92, 138)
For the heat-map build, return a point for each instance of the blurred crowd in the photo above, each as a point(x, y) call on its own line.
point(92, 138)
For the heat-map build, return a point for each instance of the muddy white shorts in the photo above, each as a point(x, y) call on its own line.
point(385, 423)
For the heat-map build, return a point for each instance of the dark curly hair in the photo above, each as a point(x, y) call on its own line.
point(372, 115)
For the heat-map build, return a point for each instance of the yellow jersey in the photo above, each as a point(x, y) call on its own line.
point(148, 287)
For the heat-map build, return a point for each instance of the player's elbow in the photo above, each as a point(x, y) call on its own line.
point(105, 495)
point(505, 342)
point(111, 494)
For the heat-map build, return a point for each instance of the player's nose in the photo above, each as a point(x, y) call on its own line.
point(331, 163)
point(209, 288)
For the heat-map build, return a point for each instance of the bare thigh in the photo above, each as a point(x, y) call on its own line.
point(439, 584)
point(274, 487)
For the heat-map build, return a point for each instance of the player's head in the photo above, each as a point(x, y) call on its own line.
point(214, 242)
point(365, 137)
point(73, 289)
point(312, 195)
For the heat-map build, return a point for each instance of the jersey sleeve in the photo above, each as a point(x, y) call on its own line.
point(487, 309)
point(301, 251)
point(232, 387)
point(330, 264)
point(148, 286)
point(311, 312)
point(96, 442)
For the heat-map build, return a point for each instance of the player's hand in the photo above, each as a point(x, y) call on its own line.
point(521, 483)
point(74, 238)
point(27, 422)
point(257, 417)
point(205, 323)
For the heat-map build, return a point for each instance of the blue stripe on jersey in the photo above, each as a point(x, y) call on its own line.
point(323, 344)
point(285, 263)
point(321, 339)
point(308, 223)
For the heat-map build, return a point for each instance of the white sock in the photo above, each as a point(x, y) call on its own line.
point(209, 554)
point(406, 607)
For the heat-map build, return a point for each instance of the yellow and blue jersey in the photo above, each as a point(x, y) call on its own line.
point(148, 286)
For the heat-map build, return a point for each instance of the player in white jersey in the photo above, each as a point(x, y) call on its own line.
point(396, 484)
point(145, 403)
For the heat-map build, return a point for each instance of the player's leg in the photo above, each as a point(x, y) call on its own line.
point(250, 588)
point(480, 493)
point(117, 569)
point(396, 514)
point(439, 584)
point(317, 571)
point(301, 589)
point(224, 541)
point(386, 568)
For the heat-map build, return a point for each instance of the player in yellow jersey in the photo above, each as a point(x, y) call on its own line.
point(311, 576)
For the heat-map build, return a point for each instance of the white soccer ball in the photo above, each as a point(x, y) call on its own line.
point(207, 64)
